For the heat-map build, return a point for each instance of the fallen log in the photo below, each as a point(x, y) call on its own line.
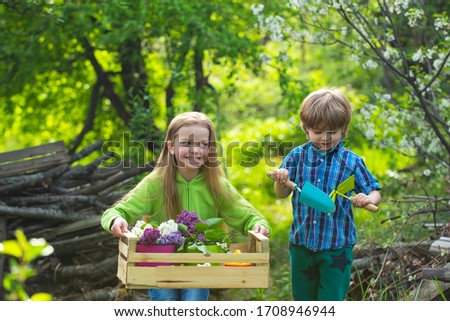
point(16, 183)
point(52, 214)
point(86, 151)
point(440, 245)
point(87, 272)
point(441, 273)
point(63, 200)
point(106, 294)
point(79, 170)
point(114, 180)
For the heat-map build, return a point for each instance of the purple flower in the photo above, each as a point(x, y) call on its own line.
point(150, 236)
point(190, 219)
point(201, 237)
point(172, 238)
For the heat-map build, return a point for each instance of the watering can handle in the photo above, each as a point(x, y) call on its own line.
point(288, 184)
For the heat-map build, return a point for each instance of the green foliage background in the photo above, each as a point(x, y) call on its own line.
point(54, 54)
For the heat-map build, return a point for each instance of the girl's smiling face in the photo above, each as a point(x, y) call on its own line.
point(324, 139)
point(190, 148)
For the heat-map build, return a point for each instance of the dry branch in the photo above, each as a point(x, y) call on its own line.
point(64, 205)
point(441, 274)
point(14, 184)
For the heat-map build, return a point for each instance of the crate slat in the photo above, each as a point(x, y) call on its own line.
point(198, 257)
point(197, 277)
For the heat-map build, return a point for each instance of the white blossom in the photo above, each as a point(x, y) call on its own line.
point(391, 53)
point(370, 64)
point(168, 227)
point(257, 9)
point(370, 132)
point(275, 26)
point(437, 64)
point(384, 98)
point(445, 103)
point(414, 16)
point(418, 56)
point(265, 58)
point(427, 172)
point(397, 6)
point(441, 24)
point(298, 4)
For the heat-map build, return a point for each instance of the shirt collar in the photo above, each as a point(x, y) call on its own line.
point(331, 151)
point(197, 178)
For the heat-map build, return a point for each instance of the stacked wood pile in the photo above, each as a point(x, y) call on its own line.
point(46, 195)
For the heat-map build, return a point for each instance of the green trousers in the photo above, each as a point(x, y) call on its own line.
point(320, 276)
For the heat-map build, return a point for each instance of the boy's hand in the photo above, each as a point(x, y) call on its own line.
point(280, 175)
point(359, 200)
point(362, 200)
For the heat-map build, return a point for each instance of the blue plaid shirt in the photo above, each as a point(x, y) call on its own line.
point(313, 229)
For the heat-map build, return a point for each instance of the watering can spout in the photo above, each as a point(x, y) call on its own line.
point(311, 196)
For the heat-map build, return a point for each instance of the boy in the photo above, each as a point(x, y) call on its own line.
point(321, 244)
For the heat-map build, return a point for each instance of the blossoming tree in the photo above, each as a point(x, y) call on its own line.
point(408, 42)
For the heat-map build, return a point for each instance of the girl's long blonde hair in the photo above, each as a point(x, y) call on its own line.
point(166, 165)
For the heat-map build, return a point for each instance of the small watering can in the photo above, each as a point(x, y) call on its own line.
point(312, 196)
point(347, 186)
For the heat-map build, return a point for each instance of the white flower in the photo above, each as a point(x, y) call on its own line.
point(384, 98)
point(257, 8)
point(275, 25)
point(168, 227)
point(265, 58)
point(370, 64)
point(414, 16)
point(418, 56)
point(370, 132)
point(427, 172)
point(441, 24)
point(137, 231)
point(445, 102)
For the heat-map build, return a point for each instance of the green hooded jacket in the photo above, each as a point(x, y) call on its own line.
point(146, 199)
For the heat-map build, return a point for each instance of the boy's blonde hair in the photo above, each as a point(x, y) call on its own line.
point(166, 166)
point(326, 108)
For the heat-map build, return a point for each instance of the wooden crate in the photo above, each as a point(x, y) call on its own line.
point(180, 275)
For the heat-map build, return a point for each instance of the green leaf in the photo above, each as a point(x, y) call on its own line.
point(36, 248)
point(216, 235)
point(182, 228)
point(41, 296)
point(214, 222)
point(201, 227)
point(11, 247)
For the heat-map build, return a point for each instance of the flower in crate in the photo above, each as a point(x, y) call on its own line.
point(164, 233)
point(198, 234)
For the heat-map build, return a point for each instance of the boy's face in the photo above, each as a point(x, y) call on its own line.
point(324, 139)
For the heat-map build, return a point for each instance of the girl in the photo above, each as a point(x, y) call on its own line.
point(187, 176)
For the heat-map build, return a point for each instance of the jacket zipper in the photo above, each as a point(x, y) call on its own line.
point(188, 195)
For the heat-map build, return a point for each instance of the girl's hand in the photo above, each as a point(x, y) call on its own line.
point(119, 227)
point(261, 229)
